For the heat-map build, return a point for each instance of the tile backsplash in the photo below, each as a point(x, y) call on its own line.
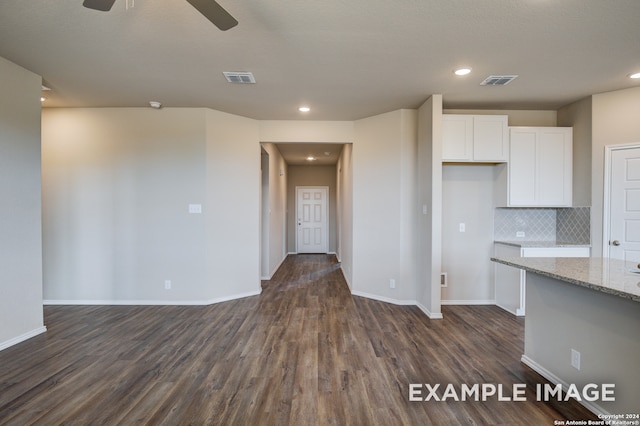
point(566, 225)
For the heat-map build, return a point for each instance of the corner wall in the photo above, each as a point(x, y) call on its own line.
point(344, 201)
point(384, 188)
point(276, 211)
point(429, 251)
point(615, 122)
point(20, 209)
point(578, 115)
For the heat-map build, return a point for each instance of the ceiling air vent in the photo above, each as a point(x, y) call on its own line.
point(498, 80)
point(239, 77)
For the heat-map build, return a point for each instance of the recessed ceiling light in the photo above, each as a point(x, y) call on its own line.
point(155, 104)
point(311, 158)
point(462, 71)
point(304, 109)
point(42, 99)
point(635, 75)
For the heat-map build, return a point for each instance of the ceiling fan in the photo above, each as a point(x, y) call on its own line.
point(209, 8)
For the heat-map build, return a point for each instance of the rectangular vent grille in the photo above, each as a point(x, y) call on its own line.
point(239, 77)
point(498, 80)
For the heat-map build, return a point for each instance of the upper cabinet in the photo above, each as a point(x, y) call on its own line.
point(480, 138)
point(540, 166)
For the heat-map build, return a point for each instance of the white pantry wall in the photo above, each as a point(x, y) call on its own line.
point(20, 203)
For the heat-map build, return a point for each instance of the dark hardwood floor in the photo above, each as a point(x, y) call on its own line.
point(304, 352)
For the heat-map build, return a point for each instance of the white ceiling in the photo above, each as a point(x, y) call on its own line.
point(298, 154)
point(345, 59)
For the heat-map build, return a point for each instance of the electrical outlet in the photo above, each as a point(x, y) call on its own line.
point(392, 283)
point(443, 279)
point(575, 359)
point(520, 234)
point(463, 227)
point(167, 284)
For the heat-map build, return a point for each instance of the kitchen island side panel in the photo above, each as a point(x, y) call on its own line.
point(604, 328)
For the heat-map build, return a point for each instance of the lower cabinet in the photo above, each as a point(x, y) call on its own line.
point(510, 283)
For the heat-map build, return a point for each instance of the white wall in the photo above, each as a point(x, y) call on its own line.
point(233, 199)
point(276, 209)
point(383, 202)
point(118, 183)
point(615, 122)
point(20, 204)
point(344, 200)
point(578, 115)
point(117, 186)
point(306, 131)
point(467, 194)
point(517, 117)
point(429, 251)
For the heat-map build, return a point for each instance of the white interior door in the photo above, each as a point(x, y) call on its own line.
point(312, 210)
point(624, 204)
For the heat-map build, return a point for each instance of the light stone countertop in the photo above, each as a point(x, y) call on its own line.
point(539, 244)
point(611, 276)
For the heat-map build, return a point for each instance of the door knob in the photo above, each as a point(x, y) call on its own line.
point(615, 242)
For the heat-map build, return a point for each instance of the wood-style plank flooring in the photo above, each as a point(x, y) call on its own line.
point(304, 352)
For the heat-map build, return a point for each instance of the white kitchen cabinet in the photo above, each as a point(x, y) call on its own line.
point(479, 138)
point(540, 166)
point(510, 283)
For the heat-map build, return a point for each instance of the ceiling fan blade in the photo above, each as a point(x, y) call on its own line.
point(214, 12)
point(103, 5)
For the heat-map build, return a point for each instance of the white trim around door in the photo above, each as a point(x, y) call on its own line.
point(312, 219)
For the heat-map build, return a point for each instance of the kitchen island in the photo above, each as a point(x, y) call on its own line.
point(585, 312)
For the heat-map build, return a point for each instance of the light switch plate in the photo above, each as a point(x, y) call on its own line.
point(195, 208)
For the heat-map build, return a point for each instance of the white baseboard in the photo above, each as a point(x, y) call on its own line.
point(467, 302)
point(273, 272)
point(383, 298)
point(431, 315)
point(428, 313)
point(147, 302)
point(594, 408)
point(518, 312)
point(18, 339)
point(346, 279)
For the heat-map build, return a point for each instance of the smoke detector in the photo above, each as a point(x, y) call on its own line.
point(498, 80)
point(239, 77)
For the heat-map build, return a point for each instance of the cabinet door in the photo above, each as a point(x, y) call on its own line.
point(490, 138)
point(522, 166)
point(540, 166)
point(457, 137)
point(509, 281)
point(555, 166)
